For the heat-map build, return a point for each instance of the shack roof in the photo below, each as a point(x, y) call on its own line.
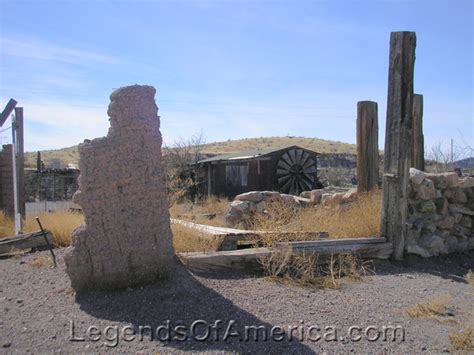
point(250, 154)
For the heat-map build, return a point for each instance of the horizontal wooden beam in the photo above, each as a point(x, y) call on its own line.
point(247, 259)
point(11, 245)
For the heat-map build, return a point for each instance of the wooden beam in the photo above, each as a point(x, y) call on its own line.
point(7, 111)
point(418, 149)
point(398, 140)
point(11, 245)
point(20, 160)
point(248, 259)
point(367, 146)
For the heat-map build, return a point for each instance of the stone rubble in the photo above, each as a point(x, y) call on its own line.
point(441, 209)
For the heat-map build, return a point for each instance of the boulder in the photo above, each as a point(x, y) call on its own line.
point(315, 196)
point(416, 176)
point(233, 216)
point(466, 222)
point(444, 180)
point(425, 190)
point(446, 223)
point(434, 244)
point(242, 206)
point(252, 196)
point(466, 182)
point(350, 196)
point(306, 194)
point(417, 250)
point(426, 207)
point(271, 196)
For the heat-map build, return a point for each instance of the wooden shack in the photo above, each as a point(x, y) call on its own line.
point(288, 170)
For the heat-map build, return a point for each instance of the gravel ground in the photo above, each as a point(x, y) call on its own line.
point(38, 309)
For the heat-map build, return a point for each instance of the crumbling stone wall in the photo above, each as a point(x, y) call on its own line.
point(441, 212)
point(127, 236)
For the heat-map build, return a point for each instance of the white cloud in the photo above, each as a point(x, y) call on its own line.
point(38, 50)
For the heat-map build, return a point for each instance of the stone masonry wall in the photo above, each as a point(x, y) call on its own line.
point(441, 212)
point(127, 236)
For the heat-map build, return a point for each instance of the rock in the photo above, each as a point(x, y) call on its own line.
point(301, 201)
point(289, 199)
point(416, 176)
point(242, 206)
point(426, 190)
point(417, 250)
point(233, 216)
point(271, 196)
point(451, 243)
point(260, 207)
point(434, 244)
point(306, 194)
point(466, 222)
point(331, 199)
point(458, 196)
point(470, 244)
point(446, 223)
point(315, 196)
point(350, 196)
point(127, 239)
point(441, 205)
point(466, 182)
point(461, 210)
point(252, 196)
point(444, 180)
point(426, 207)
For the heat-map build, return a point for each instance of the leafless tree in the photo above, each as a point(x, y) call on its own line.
point(443, 159)
point(182, 173)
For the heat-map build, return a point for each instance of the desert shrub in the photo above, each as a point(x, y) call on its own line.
point(434, 308)
point(463, 339)
point(313, 270)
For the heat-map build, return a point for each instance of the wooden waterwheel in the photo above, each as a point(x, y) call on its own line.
point(296, 171)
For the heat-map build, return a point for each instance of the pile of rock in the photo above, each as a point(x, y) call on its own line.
point(441, 212)
point(246, 205)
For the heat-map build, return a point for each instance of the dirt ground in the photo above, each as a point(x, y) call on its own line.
point(41, 313)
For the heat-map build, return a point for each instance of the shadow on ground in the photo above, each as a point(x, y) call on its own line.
point(452, 266)
point(182, 301)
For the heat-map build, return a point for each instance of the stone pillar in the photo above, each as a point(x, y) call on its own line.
point(367, 146)
point(127, 237)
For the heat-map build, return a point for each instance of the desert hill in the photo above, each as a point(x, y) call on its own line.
point(70, 155)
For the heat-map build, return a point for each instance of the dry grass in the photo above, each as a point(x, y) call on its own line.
point(463, 340)
point(311, 271)
point(437, 307)
point(41, 261)
point(60, 224)
point(6, 226)
point(186, 240)
point(360, 218)
point(209, 211)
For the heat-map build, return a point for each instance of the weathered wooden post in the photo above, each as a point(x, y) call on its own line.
point(367, 146)
point(398, 139)
point(418, 150)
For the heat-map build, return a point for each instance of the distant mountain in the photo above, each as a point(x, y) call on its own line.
point(70, 155)
point(467, 163)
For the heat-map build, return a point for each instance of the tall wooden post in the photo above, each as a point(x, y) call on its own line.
point(398, 140)
point(20, 165)
point(418, 149)
point(367, 146)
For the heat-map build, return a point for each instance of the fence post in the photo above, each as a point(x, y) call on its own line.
point(398, 140)
point(418, 149)
point(367, 146)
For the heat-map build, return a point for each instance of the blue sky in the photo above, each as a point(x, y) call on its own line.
point(232, 69)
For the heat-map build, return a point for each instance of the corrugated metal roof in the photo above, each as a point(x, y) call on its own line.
point(248, 154)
